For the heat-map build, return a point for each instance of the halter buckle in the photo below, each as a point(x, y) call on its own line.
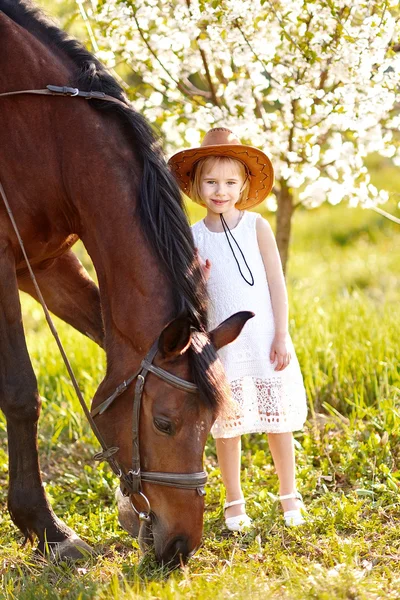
point(63, 90)
point(145, 517)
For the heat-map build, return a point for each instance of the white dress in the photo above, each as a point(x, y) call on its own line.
point(265, 400)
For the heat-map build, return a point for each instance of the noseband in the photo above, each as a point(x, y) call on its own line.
point(131, 481)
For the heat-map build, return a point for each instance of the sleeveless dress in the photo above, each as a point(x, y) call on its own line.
point(264, 400)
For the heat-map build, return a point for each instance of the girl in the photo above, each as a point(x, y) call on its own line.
point(243, 272)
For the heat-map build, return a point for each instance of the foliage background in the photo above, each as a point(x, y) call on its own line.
point(344, 285)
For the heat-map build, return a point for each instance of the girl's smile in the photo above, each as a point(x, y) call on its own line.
point(219, 202)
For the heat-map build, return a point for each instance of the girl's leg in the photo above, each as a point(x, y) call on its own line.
point(229, 454)
point(282, 450)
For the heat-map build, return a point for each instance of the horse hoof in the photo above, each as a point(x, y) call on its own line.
point(73, 548)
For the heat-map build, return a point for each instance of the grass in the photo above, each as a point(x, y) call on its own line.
point(344, 286)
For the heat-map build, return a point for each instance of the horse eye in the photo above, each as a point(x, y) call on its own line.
point(164, 426)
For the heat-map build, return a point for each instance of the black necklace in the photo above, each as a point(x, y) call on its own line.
point(226, 231)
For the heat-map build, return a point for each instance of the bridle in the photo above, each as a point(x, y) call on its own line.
point(131, 481)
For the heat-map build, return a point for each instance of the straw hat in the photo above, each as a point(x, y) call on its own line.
point(223, 142)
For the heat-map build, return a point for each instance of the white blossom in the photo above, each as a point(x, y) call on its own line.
point(314, 84)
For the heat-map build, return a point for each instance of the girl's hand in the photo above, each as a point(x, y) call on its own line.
point(280, 353)
point(204, 265)
point(206, 268)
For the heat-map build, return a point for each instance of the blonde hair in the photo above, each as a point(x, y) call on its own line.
point(210, 161)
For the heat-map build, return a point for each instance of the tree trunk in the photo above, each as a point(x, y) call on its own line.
point(284, 221)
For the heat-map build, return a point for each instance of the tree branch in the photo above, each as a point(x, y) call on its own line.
point(203, 55)
point(88, 25)
point(285, 33)
point(187, 91)
point(260, 110)
point(208, 75)
point(93, 40)
point(299, 203)
point(293, 105)
point(195, 91)
point(385, 214)
point(260, 60)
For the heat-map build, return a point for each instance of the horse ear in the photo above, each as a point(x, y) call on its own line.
point(175, 338)
point(229, 329)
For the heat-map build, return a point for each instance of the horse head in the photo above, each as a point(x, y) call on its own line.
point(173, 425)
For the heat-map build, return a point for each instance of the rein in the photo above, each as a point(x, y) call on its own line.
point(131, 481)
point(57, 90)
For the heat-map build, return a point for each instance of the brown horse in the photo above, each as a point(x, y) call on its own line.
point(92, 170)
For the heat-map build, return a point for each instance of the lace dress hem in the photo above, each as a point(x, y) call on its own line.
point(256, 429)
point(261, 405)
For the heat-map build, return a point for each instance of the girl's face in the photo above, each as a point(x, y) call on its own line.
point(220, 185)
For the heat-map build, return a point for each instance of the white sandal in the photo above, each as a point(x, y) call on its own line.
point(294, 518)
point(240, 522)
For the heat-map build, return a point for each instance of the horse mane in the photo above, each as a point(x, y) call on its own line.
point(208, 374)
point(160, 205)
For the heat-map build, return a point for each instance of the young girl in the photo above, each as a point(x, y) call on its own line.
point(243, 271)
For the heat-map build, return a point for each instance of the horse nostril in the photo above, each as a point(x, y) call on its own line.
point(176, 552)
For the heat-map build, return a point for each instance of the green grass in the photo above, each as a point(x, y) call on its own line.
point(345, 321)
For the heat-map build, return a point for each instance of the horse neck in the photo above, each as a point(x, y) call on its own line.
point(95, 194)
point(136, 297)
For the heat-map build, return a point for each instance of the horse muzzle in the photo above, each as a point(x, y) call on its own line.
point(172, 549)
point(176, 553)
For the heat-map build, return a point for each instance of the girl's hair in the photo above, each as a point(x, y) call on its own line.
point(210, 161)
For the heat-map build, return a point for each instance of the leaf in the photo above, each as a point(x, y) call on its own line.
point(363, 492)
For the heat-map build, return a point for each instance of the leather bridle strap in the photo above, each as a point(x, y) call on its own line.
point(184, 481)
point(56, 90)
point(177, 382)
point(173, 380)
point(102, 407)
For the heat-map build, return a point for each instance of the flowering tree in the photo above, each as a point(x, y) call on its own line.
point(314, 83)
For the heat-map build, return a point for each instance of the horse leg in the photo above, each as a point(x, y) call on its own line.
point(69, 293)
point(20, 402)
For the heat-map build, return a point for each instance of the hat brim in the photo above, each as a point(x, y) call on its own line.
point(259, 166)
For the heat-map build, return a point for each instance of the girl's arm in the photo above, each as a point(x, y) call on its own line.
point(277, 288)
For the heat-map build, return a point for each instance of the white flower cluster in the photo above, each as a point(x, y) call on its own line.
point(312, 82)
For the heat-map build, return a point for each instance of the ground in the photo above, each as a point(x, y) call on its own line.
point(344, 285)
